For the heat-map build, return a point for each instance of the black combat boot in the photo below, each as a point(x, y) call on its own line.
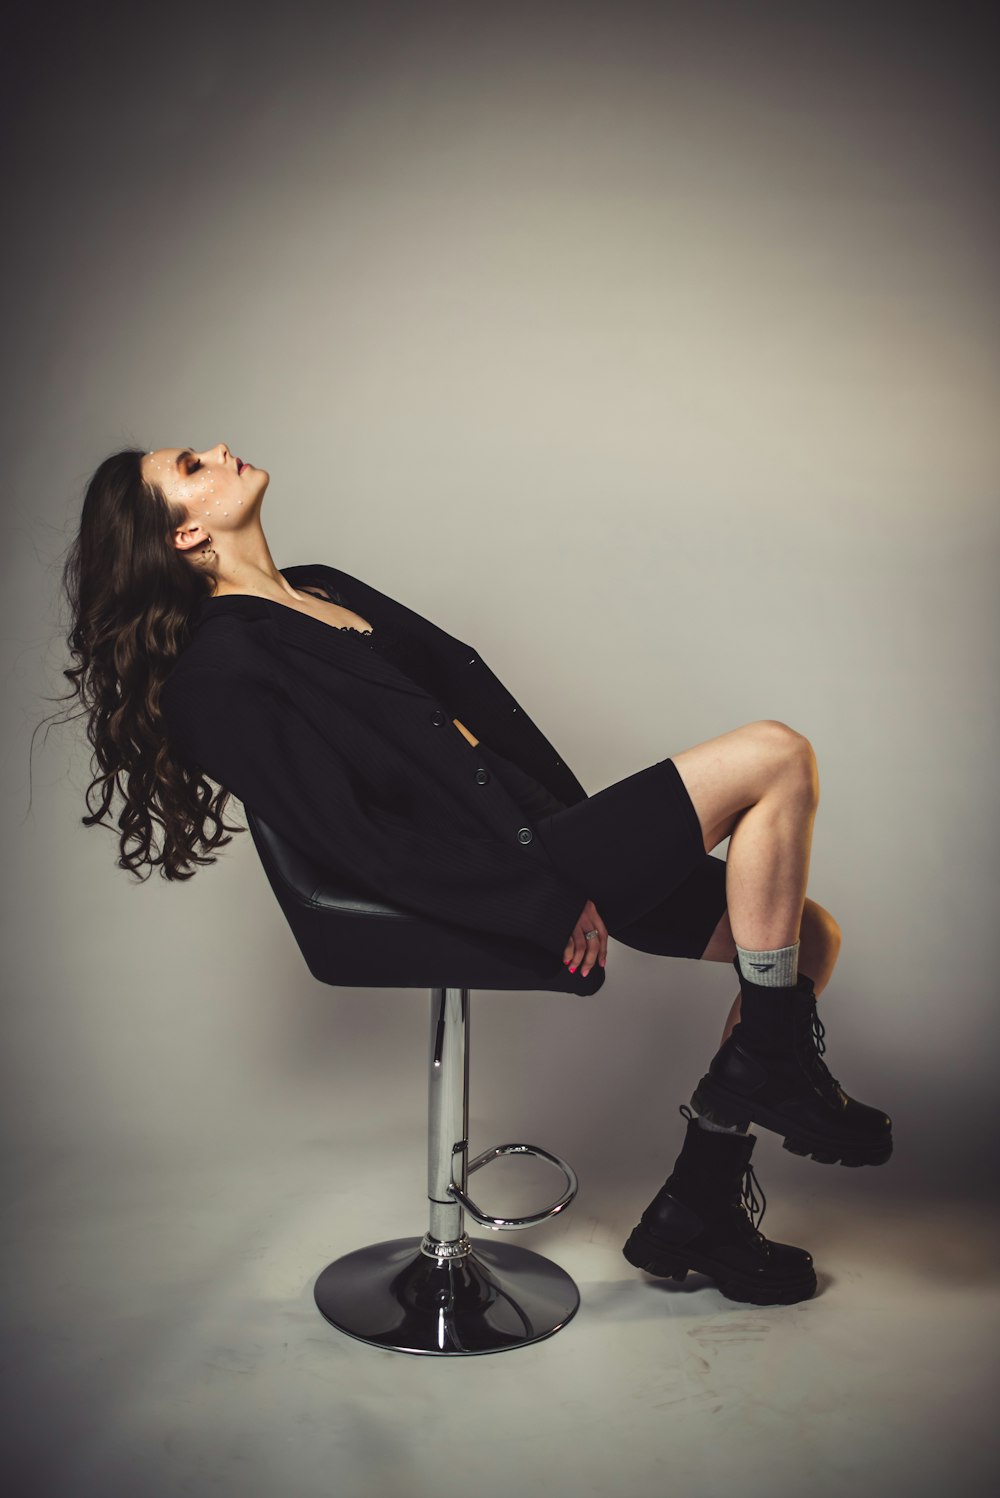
point(769, 1071)
point(701, 1218)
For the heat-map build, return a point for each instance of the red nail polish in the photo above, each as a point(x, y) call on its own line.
point(572, 969)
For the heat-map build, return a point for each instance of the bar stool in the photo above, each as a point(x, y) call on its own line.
point(443, 1294)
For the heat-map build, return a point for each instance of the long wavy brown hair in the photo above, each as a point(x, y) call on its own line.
point(133, 598)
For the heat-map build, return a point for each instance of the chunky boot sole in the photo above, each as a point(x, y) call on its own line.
point(673, 1260)
point(721, 1105)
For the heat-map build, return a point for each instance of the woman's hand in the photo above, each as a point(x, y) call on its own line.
point(578, 947)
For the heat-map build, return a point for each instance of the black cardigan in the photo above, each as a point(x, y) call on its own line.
point(360, 765)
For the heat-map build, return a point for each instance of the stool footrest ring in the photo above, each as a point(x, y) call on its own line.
point(511, 1224)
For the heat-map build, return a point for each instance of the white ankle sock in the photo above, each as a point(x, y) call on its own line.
point(775, 969)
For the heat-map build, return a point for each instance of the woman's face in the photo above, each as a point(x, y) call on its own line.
point(218, 490)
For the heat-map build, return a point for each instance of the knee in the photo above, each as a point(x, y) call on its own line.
point(786, 741)
point(794, 751)
point(821, 931)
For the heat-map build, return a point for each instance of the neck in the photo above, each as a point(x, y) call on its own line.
point(245, 565)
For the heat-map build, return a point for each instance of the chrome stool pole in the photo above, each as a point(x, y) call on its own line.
point(447, 1122)
point(446, 1294)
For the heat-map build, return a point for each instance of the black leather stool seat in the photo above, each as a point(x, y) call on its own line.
point(355, 940)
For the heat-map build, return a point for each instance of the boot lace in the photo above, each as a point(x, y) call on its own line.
point(815, 1049)
point(748, 1197)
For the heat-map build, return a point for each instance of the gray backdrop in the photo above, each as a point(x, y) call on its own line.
point(653, 350)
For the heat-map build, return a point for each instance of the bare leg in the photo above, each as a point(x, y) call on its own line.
point(759, 786)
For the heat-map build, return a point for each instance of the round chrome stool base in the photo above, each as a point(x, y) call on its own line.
point(496, 1297)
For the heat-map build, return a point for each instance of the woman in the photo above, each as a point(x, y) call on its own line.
point(377, 742)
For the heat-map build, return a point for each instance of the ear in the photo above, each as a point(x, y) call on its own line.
point(189, 534)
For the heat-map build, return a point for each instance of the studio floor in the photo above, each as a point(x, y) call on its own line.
point(162, 1338)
